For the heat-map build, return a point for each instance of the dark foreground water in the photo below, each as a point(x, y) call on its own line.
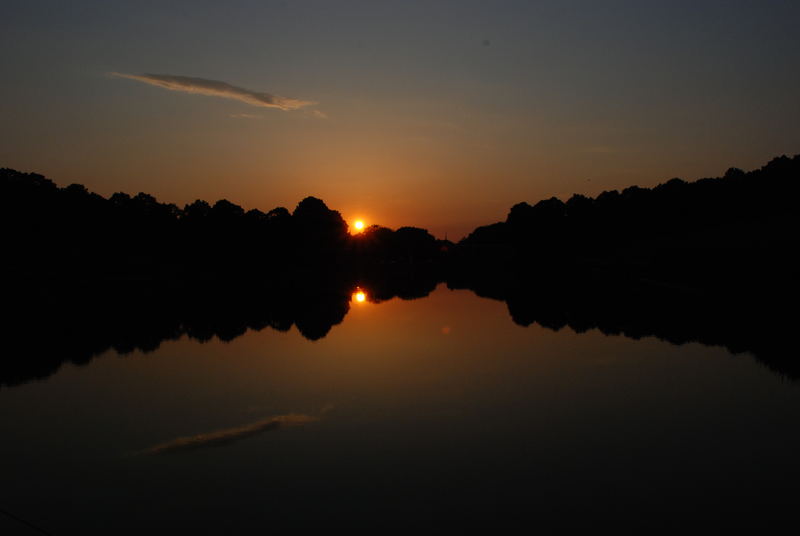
point(437, 411)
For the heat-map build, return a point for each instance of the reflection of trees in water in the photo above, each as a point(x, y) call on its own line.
point(707, 261)
point(74, 325)
point(745, 321)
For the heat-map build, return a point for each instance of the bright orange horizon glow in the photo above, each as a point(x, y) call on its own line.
point(360, 296)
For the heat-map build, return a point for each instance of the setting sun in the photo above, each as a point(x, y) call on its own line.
point(360, 296)
point(359, 225)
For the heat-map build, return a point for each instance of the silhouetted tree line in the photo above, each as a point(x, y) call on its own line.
point(73, 232)
point(674, 208)
point(406, 244)
point(690, 233)
point(709, 262)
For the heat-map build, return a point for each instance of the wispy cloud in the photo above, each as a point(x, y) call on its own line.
point(229, 435)
point(216, 88)
point(600, 149)
point(310, 113)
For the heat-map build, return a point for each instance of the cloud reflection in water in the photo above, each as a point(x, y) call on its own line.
point(229, 435)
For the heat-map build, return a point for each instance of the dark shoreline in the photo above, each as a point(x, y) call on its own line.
point(52, 325)
point(712, 261)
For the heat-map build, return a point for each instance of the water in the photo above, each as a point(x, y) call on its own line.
point(439, 410)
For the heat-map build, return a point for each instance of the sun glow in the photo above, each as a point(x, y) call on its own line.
point(360, 296)
point(359, 225)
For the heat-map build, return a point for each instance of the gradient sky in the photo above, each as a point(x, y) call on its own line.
point(428, 113)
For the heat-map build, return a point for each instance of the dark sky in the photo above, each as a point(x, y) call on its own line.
point(431, 113)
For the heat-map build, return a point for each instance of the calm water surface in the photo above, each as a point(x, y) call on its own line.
point(408, 413)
